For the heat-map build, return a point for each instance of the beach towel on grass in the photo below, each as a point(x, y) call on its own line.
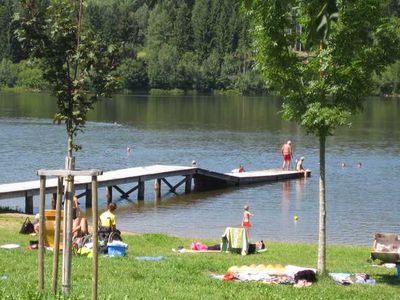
point(235, 239)
point(10, 246)
point(154, 258)
point(184, 250)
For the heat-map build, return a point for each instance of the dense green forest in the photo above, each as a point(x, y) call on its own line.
point(166, 45)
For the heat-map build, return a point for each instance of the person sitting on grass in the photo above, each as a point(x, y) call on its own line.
point(36, 224)
point(108, 219)
point(108, 231)
point(80, 224)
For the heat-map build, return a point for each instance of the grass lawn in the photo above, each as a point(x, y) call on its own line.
point(186, 276)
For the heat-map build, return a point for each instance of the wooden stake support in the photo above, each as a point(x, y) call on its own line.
point(67, 240)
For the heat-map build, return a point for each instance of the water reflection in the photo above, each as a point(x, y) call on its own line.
point(286, 195)
point(300, 185)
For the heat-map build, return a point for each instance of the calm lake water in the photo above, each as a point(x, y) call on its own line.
point(220, 133)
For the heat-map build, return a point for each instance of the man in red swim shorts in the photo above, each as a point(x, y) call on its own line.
point(287, 155)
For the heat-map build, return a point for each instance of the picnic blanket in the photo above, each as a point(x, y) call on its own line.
point(269, 274)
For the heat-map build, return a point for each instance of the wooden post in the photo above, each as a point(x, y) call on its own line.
point(54, 200)
point(95, 214)
point(67, 245)
point(42, 204)
point(157, 188)
point(56, 249)
point(109, 194)
point(28, 204)
point(88, 201)
point(140, 190)
point(188, 184)
point(69, 173)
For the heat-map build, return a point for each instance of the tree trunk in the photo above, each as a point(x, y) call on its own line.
point(67, 235)
point(321, 267)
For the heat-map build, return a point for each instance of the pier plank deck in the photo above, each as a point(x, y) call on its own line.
point(203, 179)
point(266, 175)
point(212, 179)
point(110, 178)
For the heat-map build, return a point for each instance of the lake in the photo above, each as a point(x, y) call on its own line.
point(220, 133)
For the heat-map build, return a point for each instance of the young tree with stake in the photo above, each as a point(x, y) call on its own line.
point(78, 65)
point(346, 42)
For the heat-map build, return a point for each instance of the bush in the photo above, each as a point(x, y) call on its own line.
point(161, 92)
point(30, 76)
point(228, 92)
point(188, 71)
point(251, 83)
point(8, 73)
point(133, 74)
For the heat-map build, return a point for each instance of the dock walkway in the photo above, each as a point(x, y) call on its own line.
point(203, 180)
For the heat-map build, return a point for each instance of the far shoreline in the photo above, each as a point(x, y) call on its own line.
point(170, 93)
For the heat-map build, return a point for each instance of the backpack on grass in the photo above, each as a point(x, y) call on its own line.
point(27, 227)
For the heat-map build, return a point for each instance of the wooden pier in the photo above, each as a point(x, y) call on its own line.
point(112, 180)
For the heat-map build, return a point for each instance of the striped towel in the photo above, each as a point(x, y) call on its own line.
point(235, 238)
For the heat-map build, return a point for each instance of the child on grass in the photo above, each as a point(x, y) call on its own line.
point(246, 217)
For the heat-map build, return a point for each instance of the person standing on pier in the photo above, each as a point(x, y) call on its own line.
point(287, 155)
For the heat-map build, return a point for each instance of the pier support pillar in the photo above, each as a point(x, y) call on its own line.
point(157, 188)
point(109, 194)
point(29, 204)
point(88, 196)
point(140, 196)
point(188, 184)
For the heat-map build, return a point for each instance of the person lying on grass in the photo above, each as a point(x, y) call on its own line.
point(253, 248)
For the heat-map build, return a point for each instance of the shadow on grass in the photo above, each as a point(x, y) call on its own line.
point(388, 279)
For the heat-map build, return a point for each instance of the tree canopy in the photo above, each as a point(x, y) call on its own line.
point(75, 61)
point(330, 78)
point(184, 44)
point(207, 44)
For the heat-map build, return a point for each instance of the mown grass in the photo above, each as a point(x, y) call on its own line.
point(185, 276)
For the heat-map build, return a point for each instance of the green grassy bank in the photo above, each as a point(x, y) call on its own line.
point(186, 276)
